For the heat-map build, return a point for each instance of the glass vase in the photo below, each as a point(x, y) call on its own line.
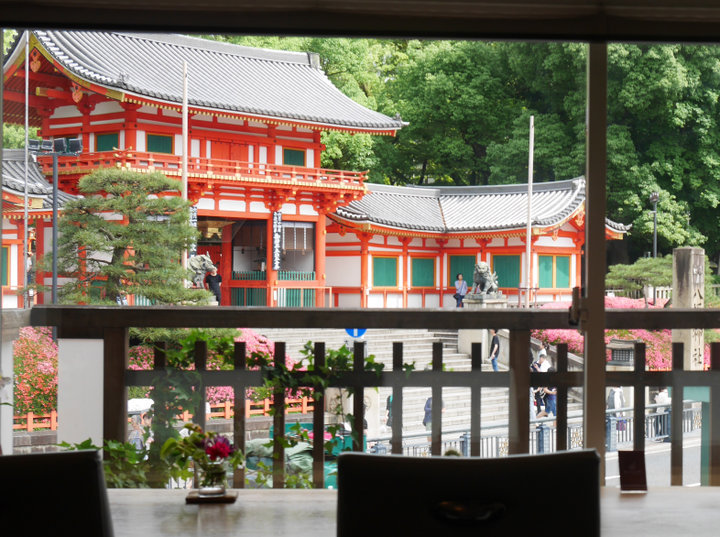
point(211, 478)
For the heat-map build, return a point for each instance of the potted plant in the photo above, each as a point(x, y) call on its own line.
point(205, 456)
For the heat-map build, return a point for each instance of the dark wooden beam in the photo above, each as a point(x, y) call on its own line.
point(91, 320)
point(659, 20)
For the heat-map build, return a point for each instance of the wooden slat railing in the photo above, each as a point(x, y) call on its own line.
point(204, 168)
point(110, 324)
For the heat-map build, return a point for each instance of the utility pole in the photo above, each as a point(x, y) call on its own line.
point(528, 231)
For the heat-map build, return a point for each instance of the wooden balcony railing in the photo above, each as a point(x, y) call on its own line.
point(111, 324)
point(205, 168)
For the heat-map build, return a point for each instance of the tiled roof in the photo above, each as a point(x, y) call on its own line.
point(13, 179)
point(221, 76)
point(468, 209)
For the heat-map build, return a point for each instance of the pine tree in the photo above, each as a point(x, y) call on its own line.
point(125, 234)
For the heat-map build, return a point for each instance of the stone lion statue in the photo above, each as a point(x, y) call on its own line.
point(200, 265)
point(484, 281)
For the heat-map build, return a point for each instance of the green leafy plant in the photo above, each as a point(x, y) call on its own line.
point(206, 450)
point(125, 465)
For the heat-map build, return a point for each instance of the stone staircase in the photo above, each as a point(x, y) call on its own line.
point(417, 349)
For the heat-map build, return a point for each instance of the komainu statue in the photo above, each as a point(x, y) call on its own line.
point(200, 265)
point(484, 281)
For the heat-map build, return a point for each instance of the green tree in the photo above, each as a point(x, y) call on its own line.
point(357, 67)
point(456, 105)
point(14, 135)
point(657, 272)
point(126, 235)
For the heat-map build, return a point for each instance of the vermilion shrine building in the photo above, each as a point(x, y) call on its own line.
point(255, 122)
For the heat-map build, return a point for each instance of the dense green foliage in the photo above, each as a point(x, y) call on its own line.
point(126, 235)
point(14, 135)
point(655, 272)
point(468, 105)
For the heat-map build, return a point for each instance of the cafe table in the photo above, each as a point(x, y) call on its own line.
point(671, 511)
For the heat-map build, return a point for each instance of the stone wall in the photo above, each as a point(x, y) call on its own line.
point(46, 441)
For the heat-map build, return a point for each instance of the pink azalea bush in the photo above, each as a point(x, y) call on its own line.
point(141, 358)
point(658, 343)
point(35, 356)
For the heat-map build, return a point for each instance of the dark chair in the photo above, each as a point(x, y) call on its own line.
point(553, 494)
point(59, 493)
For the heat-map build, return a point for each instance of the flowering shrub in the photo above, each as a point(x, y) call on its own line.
point(658, 343)
point(202, 449)
point(35, 362)
point(141, 358)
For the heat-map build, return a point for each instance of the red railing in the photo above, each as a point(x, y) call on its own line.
point(31, 422)
point(206, 168)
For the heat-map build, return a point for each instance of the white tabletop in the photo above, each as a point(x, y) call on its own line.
point(661, 512)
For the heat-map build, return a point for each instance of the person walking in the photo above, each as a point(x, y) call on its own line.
point(461, 290)
point(494, 349)
point(212, 283)
point(427, 419)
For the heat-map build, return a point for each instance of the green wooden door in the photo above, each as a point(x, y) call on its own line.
point(508, 270)
point(465, 265)
point(562, 271)
point(384, 271)
point(107, 142)
point(545, 268)
point(423, 271)
point(157, 143)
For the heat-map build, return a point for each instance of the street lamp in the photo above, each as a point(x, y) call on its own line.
point(654, 197)
point(54, 148)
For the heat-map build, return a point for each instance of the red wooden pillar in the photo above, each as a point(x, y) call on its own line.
point(130, 125)
point(364, 239)
point(441, 244)
point(406, 269)
point(20, 262)
point(320, 233)
point(226, 266)
point(271, 275)
point(40, 226)
point(318, 150)
point(272, 142)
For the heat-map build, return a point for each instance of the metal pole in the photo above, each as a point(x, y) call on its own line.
point(55, 228)
point(185, 147)
point(655, 229)
point(528, 231)
point(25, 197)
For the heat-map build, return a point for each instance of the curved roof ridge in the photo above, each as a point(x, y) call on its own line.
point(223, 47)
point(13, 178)
point(468, 209)
point(224, 77)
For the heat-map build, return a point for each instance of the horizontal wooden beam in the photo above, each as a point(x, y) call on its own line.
point(660, 20)
point(94, 319)
point(100, 317)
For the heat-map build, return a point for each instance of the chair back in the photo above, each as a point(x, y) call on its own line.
point(59, 493)
point(555, 494)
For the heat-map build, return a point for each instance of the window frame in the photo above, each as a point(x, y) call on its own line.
point(159, 135)
point(397, 271)
point(299, 150)
point(554, 270)
point(115, 133)
point(493, 268)
point(412, 271)
point(5, 266)
point(452, 274)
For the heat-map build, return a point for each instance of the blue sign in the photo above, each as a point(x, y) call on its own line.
point(356, 332)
